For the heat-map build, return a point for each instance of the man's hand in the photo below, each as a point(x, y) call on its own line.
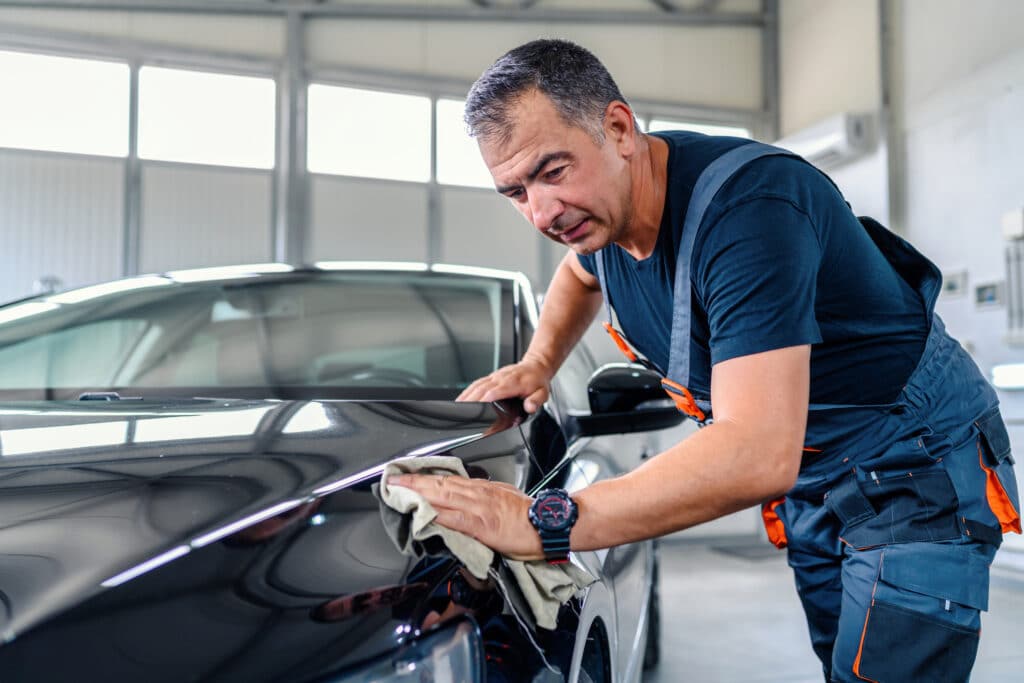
point(492, 512)
point(528, 379)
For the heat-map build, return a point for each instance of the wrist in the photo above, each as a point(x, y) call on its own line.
point(553, 514)
point(539, 361)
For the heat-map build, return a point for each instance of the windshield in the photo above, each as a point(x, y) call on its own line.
point(300, 335)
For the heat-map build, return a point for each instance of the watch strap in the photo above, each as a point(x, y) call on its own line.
point(556, 546)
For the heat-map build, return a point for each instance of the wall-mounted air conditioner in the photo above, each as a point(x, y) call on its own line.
point(835, 140)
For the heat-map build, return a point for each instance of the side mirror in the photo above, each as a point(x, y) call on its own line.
point(626, 398)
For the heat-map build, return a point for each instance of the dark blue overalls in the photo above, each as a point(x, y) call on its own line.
point(899, 508)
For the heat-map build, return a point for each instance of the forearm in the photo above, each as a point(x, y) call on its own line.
point(717, 471)
point(569, 308)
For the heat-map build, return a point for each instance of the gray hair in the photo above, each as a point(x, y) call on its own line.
point(575, 81)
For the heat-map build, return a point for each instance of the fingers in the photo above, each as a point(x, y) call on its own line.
point(512, 381)
point(534, 401)
point(494, 513)
point(493, 387)
point(473, 391)
point(440, 490)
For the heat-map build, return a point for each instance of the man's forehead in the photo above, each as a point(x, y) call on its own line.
point(532, 133)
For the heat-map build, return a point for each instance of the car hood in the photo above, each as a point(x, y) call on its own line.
point(218, 539)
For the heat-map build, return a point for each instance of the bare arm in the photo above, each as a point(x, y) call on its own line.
point(749, 455)
point(572, 300)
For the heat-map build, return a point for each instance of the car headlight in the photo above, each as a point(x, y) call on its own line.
point(451, 655)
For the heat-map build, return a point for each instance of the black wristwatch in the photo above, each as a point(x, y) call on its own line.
point(553, 513)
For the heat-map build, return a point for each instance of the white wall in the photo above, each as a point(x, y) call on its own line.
point(480, 227)
point(59, 215)
point(356, 218)
point(194, 216)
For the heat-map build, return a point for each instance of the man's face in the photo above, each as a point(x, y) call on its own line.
point(570, 187)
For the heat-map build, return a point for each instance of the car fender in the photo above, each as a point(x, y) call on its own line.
point(597, 604)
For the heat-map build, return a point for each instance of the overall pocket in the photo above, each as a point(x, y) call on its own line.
point(996, 461)
point(897, 506)
point(924, 620)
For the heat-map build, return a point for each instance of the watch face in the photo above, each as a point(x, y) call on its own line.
point(554, 512)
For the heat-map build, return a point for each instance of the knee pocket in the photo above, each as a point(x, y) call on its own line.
point(923, 623)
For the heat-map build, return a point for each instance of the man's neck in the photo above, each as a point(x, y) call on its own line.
point(649, 183)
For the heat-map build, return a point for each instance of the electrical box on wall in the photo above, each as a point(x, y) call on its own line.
point(988, 295)
point(954, 283)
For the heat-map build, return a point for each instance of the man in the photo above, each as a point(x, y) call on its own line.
point(839, 402)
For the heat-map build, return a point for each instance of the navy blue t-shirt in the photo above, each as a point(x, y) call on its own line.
point(780, 260)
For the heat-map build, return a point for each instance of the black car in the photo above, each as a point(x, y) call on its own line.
point(186, 463)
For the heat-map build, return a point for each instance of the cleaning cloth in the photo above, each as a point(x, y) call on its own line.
point(409, 521)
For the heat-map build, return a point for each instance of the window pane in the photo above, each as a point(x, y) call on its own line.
point(458, 157)
point(368, 133)
point(706, 128)
point(206, 118)
point(59, 104)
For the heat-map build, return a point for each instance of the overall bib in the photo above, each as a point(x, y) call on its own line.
point(898, 508)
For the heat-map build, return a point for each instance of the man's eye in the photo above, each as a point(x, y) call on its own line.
point(554, 173)
point(514, 194)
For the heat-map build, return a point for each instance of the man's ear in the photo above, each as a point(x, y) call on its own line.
point(619, 127)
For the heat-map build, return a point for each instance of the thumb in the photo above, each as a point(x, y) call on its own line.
point(534, 401)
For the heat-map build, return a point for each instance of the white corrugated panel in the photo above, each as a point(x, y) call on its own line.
point(355, 218)
point(481, 228)
point(60, 215)
point(194, 216)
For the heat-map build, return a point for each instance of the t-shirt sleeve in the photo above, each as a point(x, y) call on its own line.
point(755, 274)
point(589, 263)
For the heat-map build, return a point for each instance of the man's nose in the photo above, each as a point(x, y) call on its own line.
point(544, 209)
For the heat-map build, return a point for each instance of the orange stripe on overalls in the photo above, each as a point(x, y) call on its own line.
point(683, 399)
point(620, 341)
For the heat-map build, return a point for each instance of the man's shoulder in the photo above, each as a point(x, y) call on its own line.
point(692, 152)
point(779, 178)
point(772, 176)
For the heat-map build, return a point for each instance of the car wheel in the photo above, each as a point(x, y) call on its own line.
point(652, 650)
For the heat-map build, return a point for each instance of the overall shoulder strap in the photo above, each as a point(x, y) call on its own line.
point(603, 280)
point(708, 184)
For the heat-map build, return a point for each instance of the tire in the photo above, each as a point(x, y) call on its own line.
point(652, 649)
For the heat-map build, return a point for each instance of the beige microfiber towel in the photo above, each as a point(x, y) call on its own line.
point(409, 521)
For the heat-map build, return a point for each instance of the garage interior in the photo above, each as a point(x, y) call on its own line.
point(144, 136)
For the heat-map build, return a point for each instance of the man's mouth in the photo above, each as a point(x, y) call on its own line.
point(575, 233)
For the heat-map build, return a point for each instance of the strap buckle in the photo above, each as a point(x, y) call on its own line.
point(683, 399)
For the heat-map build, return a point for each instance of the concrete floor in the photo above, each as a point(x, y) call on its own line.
point(727, 619)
